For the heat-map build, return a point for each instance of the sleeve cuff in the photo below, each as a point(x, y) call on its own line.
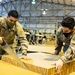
point(63, 59)
point(24, 53)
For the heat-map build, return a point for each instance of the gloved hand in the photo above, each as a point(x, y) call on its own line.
point(24, 55)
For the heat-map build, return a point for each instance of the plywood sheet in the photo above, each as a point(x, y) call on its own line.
point(42, 64)
point(41, 48)
point(8, 69)
point(72, 73)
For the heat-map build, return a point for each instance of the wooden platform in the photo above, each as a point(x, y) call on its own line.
point(9, 69)
point(42, 63)
point(72, 73)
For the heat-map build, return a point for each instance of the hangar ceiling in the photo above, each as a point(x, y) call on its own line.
point(42, 12)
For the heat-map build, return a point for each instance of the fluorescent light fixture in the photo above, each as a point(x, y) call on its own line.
point(44, 12)
point(46, 9)
point(33, 2)
point(0, 0)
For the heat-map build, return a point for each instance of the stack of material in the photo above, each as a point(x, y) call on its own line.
point(9, 69)
point(42, 63)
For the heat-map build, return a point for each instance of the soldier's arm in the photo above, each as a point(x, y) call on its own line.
point(2, 21)
point(22, 38)
point(58, 42)
point(70, 53)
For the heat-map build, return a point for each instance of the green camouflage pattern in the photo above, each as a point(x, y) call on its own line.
point(70, 53)
point(12, 35)
point(61, 39)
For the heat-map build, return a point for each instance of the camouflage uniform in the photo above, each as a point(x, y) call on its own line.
point(61, 38)
point(10, 34)
point(70, 53)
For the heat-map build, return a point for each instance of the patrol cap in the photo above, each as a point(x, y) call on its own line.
point(68, 22)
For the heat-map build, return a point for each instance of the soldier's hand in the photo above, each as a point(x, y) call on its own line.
point(25, 57)
point(58, 65)
point(1, 40)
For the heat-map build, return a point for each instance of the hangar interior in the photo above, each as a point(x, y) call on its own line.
point(40, 18)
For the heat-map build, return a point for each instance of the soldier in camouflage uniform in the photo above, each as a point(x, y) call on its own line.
point(10, 29)
point(64, 35)
point(69, 54)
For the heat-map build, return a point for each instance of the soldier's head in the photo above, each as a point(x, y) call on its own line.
point(67, 24)
point(12, 16)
